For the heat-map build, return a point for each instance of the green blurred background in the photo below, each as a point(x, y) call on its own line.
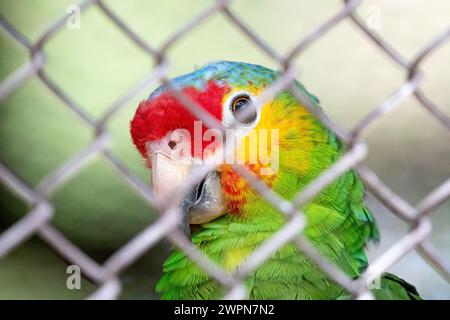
point(409, 150)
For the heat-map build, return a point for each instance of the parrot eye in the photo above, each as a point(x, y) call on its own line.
point(243, 110)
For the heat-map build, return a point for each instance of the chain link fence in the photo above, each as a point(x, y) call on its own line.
point(38, 221)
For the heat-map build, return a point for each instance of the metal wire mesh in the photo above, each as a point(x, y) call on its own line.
point(106, 276)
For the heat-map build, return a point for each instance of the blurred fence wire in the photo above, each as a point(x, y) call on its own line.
point(107, 276)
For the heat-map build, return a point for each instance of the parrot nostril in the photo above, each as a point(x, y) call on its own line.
point(172, 144)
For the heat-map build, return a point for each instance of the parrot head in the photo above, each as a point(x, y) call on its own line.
point(279, 141)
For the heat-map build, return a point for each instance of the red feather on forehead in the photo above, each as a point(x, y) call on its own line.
point(156, 117)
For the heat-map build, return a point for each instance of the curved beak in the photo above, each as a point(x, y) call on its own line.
point(202, 203)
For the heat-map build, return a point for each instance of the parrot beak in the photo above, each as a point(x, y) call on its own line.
point(201, 204)
point(167, 175)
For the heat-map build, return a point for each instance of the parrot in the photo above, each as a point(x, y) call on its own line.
point(224, 216)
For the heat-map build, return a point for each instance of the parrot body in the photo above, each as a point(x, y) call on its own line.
point(339, 225)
